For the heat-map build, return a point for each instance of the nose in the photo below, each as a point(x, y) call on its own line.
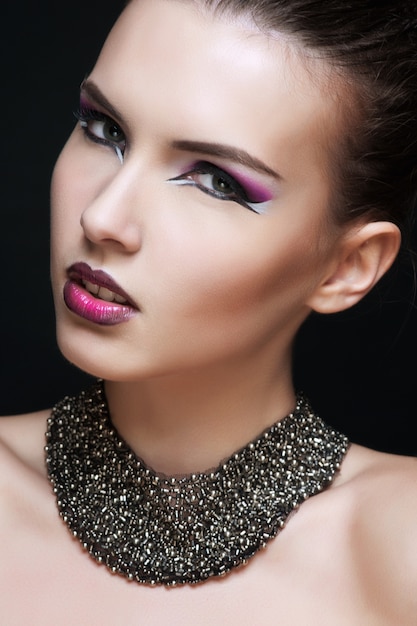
point(111, 217)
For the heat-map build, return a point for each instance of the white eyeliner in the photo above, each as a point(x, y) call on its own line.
point(119, 154)
point(259, 210)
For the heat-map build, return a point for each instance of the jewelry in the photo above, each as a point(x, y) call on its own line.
point(159, 530)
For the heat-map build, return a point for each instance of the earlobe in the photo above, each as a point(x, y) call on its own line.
point(365, 256)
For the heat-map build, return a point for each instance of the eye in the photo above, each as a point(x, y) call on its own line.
point(102, 129)
point(219, 184)
point(215, 182)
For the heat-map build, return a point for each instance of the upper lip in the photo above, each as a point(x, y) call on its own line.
point(83, 272)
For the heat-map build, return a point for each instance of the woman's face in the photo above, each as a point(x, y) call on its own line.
point(198, 181)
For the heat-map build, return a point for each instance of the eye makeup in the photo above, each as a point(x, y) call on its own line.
point(100, 128)
point(256, 192)
point(220, 182)
point(225, 184)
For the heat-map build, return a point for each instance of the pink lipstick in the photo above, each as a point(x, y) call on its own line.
point(96, 297)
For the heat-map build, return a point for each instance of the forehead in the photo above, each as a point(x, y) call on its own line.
point(218, 78)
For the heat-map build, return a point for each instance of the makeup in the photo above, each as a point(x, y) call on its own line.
point(225, 184)
point(119, 154)
point(96, 297)
point(256, 192)
point(100, 128)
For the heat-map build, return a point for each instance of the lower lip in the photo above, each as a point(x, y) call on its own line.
point(85, 305)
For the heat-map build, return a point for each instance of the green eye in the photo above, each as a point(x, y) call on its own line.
point(221, 185)
point(112, 132)
point(101, 129)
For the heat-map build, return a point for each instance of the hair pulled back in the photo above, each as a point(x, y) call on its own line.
point(372, 44)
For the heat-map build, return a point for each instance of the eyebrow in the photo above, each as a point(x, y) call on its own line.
point(218, 150)
point(92, 91)
point(226, 152)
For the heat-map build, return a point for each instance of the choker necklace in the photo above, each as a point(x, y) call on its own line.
point(159, 530)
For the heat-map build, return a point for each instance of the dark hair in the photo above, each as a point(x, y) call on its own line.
point(372, 44)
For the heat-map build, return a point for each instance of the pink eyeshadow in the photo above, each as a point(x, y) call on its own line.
point(255, 192)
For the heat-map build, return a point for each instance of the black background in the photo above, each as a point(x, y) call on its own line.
point(359, 368)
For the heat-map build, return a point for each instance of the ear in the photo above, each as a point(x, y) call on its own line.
point(365, 255)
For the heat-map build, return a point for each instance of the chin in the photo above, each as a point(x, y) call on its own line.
point(84, 352)
point(100, 358)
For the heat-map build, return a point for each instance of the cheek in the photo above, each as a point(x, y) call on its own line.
point(76, 177)
point(64, 192)
point(262, 274)
point(69, 194)
point(236, 302)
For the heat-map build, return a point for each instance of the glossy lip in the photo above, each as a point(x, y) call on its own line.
point(86, 305)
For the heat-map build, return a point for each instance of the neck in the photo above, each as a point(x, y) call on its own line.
point(185, 424)
point(160, 530)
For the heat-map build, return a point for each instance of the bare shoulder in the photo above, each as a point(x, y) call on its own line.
point(381, 490)
point(22, 440)
point(26, 502)
point(388, 479)
point(385, 487)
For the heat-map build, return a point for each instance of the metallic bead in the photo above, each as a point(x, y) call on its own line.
point(157, 530)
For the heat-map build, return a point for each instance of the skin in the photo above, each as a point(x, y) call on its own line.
point(205, 363)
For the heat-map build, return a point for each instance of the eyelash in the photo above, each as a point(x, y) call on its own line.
point(86, 115)
point(239, 194)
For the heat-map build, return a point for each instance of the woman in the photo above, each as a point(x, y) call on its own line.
point(235, 166)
